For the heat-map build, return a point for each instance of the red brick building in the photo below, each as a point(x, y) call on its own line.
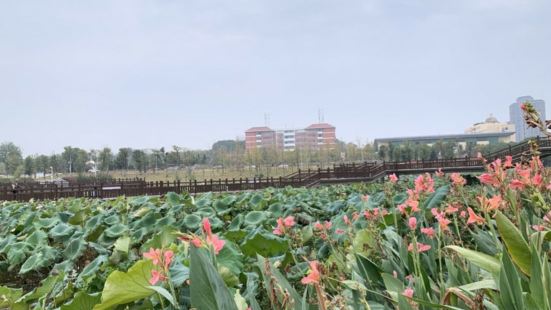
point(315, 136)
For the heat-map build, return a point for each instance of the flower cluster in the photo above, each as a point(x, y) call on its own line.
point(424, 183)
point(209, 240)
point(162, 260)
point(283, 225)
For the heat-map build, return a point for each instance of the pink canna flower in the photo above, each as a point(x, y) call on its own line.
point(428, 231)
point(508, 161)
point(439, 173)
point(421, 247)
point(474, 218)
point(537, 180)
point(206, 226)
point(538, 227)
point(346, 220)
point(168, 255)
point(365, 198)
point(412, 223)
point(313, 276)
point(452, 209)
point(217, 243)
point(463, 214)
point(154, 254)
point(424, 183)
point(457, 179)
point(197, 242)
point(443, 224)
point(393, 178)
point(289, 222)
point(339, 231)
point(408, 292)
point(489, 179)
point(156, 276)
point(516, 184)
point(318, 225)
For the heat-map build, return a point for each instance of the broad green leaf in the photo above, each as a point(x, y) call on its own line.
point(255, 218)
point(163, 292)
point(9, 296)
point(480, 285)
point(126, 287)
point(437, 197)
point(207, 288)
point(516, 245)
point(115, 230)
point(74, 249)
point(264, 244)
point(484, 261)
point(123, 244)
point(82, 301)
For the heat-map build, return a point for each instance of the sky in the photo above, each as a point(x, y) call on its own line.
point(147, 74)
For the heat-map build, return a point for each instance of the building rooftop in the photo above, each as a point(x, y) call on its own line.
point(448, 137)
point(320, 126)
point(259, 129)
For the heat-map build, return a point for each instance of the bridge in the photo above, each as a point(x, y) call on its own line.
point(338, 174)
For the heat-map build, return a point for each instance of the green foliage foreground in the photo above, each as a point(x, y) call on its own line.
point(427, 243)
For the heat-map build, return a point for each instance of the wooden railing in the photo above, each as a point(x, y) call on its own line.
point(344, 173)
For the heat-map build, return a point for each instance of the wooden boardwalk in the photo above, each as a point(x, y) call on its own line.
point(344, 173)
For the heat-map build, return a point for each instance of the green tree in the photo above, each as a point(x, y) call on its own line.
point(122, 160)
point(29, 166)
point(105, 159)
point(139, 160)
point(11, 156)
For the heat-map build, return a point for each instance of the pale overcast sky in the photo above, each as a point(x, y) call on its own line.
point(147, 74)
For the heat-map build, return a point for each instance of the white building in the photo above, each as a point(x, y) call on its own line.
point(490, 125)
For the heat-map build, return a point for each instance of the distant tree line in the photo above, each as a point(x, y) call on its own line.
point(226, 153)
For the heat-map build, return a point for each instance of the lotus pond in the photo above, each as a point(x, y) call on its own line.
point(423, 242)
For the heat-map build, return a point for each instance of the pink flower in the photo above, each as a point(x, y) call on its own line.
point(217, 243)
point(424, 183)
point(318, 226)
point(457, 179)
point(412, 223)
point(346, 220)
point(289, 221)
point(168, 259)
point(156, 276)
point(443, 224)
point(474, 218)
point(154, 255)
point(206, 226)
point(538, 227)
point(421, 247)
point(393, 178)
point(508, 161)
point(313, 276)
point(463, 214)
point(197, 242)
point(489, 179)
point(439, 173)
point(212, 239)
point(428, 231)
point(339, 231)
point(408, 292)
point(365, 198)
point(516, 184)
point(451, 209)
